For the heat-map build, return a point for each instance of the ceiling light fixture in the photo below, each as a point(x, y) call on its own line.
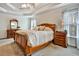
point(23, 6)
point(28, 5)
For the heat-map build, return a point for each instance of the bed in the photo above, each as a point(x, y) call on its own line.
point(21, 38)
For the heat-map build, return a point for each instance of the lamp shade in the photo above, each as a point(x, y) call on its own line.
point(62, 23)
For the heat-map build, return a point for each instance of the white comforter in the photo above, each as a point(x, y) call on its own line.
point(39, 37)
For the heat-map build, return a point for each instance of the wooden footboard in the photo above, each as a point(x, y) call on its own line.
point(36, 48)
point(22, 41)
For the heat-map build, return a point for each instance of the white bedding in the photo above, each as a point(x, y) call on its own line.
point(39, 37)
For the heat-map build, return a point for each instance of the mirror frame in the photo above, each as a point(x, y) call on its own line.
point(13, 20)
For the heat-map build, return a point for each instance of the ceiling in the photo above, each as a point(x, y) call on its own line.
point(15, 8)
point(35, 8)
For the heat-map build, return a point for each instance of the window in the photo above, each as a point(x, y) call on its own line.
point(70, 22)
point(71, 25)
point(33, 23)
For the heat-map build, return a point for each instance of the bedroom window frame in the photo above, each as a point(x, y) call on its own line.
point(33, 23)
point(68, 22)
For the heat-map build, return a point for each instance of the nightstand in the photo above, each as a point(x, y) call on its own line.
point(60, 38)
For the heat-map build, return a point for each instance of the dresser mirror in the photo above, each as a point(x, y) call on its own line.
point(13, 24)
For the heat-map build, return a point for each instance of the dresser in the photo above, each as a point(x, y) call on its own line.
point(11, 33)
point(60, 38)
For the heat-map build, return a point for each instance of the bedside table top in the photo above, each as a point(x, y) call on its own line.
point(63, 32)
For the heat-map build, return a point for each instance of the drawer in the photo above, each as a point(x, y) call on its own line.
point(59, 34)
point(11, 34)
point(62, 37)
point(59, 42)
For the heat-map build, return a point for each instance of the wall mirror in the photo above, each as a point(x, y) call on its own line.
point(13, 24)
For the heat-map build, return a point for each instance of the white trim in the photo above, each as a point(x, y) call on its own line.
point(54, 7)
point(11, 6)
point(2, 9)
point(6, 41)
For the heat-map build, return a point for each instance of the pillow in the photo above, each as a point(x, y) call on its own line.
point(36, 28)
point(39, 28)
point(48, 29)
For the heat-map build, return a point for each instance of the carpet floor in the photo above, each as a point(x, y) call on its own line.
point(12, 49)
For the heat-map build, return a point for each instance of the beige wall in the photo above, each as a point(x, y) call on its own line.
point(53, 17)
point(5, 23)
point(3, 26)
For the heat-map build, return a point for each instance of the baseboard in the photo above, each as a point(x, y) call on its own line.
point(6, 41)
point(3, 38)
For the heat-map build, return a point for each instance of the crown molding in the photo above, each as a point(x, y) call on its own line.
point(3, 9)
point(11, 6)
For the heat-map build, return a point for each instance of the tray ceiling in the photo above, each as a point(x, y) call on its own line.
point(17, 7)
point(28, 8)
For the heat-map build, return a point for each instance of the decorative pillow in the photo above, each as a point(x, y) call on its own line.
point(36, 28)
point(47, 29)
point(41, 28)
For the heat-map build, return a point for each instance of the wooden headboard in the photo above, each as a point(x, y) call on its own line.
point(52, 26)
